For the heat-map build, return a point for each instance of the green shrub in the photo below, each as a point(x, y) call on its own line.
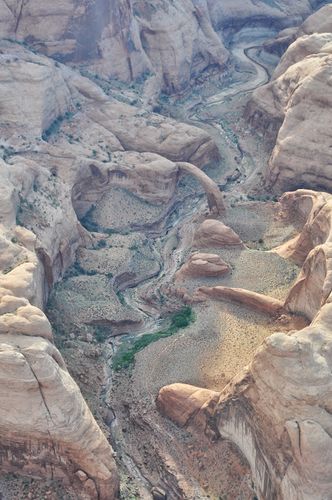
point(121, 298)
point(101, 244)
point(126, 354)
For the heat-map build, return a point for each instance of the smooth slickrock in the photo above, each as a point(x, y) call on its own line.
point(319, 22)
point(203, 265)
point(180, 402)
point(278, 410)
point(213, 233)
point(294, 110)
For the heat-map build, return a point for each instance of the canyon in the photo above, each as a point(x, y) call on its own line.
point(165, 231)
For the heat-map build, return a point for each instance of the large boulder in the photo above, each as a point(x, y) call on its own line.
point(214, 233)
point(203, 265)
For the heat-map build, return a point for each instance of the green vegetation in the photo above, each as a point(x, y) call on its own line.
point(6, 152)
point(126, 354)
point(54, 128)
point(77, 270)
point(101, 244)
point(121, 298)
point(101, 333)
point(134, 247)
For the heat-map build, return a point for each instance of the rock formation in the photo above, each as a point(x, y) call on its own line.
point(213, 233)
point(294, 107)
point(278, 410)
point(214, 196)
point(121, 39)
point(46, 427)
point(165, 43)
point(248, 298)
point(203, 265)
point(61, 151)
point(64, 146)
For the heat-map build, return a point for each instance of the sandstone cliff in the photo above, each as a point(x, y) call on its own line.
point(119, 38)
point(294, 109)
point(61, 151)
point(166, 42)
point(278, 410)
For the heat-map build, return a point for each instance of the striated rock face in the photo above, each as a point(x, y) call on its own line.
point(119, 38)
point(294, 109)
point(203, 265)
point(47, 429)
point(213, 233)
point(169, 42)
point(61, 151)
point(52, 425)
point(278, 410)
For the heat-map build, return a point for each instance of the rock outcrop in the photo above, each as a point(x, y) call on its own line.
point(248, 298)
point(278, 410)
point(203, 265)
point(293, 109)
point(214, 196)
point(213, 233)
point(47, 429)
point(167, 43)
point(61, 151)
point(121, 39)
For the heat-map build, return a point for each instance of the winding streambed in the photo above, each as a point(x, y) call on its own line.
point(180, 218)
point(180, 223)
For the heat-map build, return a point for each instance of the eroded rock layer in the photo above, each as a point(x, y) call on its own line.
point(62, 149)
point(295, 108)
point(168, 42)
point(278, 410)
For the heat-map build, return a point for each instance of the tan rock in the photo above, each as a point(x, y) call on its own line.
point(278, 409)
point(319, 22)
point(46, 428)
point(213, 233)
point(203, 265)
point(293, 110)
point(180, 402)
point(53, 424)
point(169, 42)
point(248, 298)
point(126, 41)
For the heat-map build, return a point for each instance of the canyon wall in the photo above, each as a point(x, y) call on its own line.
point(61, 150)
point(294, 109)
point(168, 43)
point(120, 39)
point(278, 410)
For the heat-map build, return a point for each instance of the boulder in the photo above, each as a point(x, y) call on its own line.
point(213, 234)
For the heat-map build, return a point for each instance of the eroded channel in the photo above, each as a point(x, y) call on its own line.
point(123, 287)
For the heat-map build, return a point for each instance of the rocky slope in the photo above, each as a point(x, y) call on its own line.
point(294, 109)
point(287, 386)
point(62, 149)
point(169, 41)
